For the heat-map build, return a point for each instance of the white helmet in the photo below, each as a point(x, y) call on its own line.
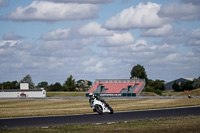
point(91, 94)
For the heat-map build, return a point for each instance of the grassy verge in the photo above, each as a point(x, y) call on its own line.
point(195, 92)
point(148, 94)
point(65, 94)
point(164, 125)
point(49, 107)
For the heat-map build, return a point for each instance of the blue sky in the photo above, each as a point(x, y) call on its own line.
point(98, 39)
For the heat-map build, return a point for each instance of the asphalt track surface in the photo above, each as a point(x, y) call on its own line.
point(95, 118)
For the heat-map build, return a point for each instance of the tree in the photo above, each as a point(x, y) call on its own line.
point(157, 84)
point(13, 85)
point(176, 86)
point(151, 89)
point(139, 72)
point(196, 83)
point(55, 87)
point(69, 84)
point(187, 85)
point(8, 85)
point(27, 79)
point(83, 85)
point(43, 84)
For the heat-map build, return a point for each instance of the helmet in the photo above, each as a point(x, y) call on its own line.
point(91, 95)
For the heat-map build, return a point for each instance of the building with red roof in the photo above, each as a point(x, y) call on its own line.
point(117, 87)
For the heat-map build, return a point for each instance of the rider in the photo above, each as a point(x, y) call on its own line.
point(92, 97)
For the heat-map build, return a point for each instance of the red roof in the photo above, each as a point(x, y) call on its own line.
point(118, 87)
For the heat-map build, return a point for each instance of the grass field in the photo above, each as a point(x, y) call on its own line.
point(49, 107)
point(65, 94)
point(162, 125)
point(148, 94)
point(195, 92)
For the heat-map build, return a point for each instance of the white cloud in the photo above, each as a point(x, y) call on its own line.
point(142, 47)
point(162, 31)
point(165, 48)
point(194, 42)
point(118, 39)
point(49, 11)
point(9, 43)
point(82, 1)
point(65, 47)
point(143, 16)
point(94, 65)
point(195, 2)
point(196, 33)
point(176, 37)
point(178, 11)
point(172, 57)
point(94, 29)
point(59, 34)
point(91, 61)
point(85, 32)
point(194, 38)
point(89, 50)
point(3, 3)
point(139, 46)
point(12, 36)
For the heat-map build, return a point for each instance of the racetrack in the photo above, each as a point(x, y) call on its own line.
point(95, 118)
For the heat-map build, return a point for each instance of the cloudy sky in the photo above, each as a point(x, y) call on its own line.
point(94, 39)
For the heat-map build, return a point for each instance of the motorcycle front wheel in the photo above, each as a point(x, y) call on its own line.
point(111, 110)
point(98, 109)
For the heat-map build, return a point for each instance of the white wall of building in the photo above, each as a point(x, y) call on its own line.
point(24, 94)
point(24, 86)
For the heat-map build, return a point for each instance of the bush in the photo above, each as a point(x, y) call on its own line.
point(157, 84)
point(55, 87)
point(188, 85)
point(151, 89)
point(196, 83)
point(176, 86)
point(183, 86)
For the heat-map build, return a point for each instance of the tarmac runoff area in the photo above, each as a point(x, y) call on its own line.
point(97, 119)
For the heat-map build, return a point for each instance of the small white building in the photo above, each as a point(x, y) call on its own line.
point(23, 92)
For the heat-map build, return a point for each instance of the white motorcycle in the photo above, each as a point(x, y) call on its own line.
point(99, 105)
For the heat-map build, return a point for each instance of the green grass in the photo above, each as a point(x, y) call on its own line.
point(49, 107)
point(195, 92)
point(148, 94)
point(163, 125)
point(65, 94)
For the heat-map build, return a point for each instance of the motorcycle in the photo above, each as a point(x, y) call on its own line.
point(99, 105)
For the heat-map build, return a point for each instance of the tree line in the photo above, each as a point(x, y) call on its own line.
point(138, 71)
point(189, 85)
point(157, 86)
point(69, 85)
